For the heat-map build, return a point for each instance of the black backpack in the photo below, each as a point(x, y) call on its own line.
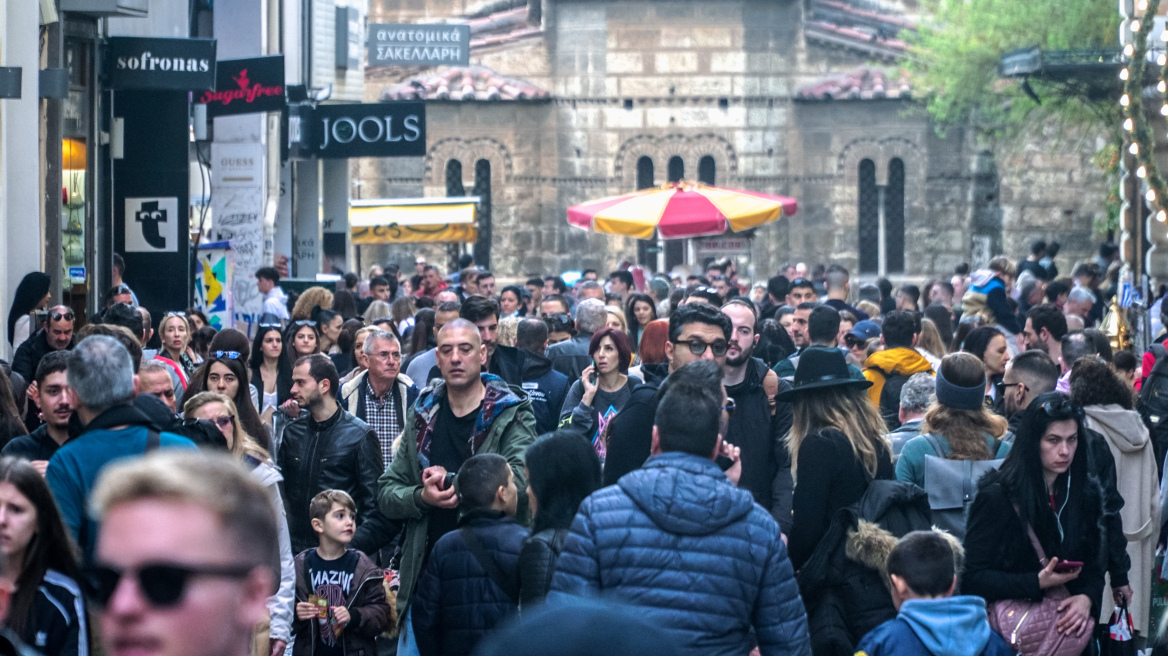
point(1153, 404)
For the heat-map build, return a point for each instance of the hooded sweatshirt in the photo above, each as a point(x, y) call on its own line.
point(882, 365)
point(546, 388)
point(1137, 479)
point(954, 626)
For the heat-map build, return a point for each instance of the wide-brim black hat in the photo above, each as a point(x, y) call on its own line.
point(820, 368)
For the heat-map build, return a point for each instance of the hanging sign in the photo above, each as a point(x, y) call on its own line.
point(157, 63)
point(408, 44)
point(366, 130)
point(246, 86)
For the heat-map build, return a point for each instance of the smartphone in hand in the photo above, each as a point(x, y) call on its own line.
point(1066, 566)
point(595, 373)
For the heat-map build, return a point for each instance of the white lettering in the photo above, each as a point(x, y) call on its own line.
point(326, 134)
point(121, 62)
point(352, 130)
point(389, 130)
point(361, 129)
point(411, 124)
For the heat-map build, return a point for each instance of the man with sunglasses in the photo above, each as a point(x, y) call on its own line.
point(56, 335)
point(184, 562)
point(697, 331)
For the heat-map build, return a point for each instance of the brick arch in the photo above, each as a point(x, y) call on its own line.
point(632, 150)
point(881, 152)
point(690, 148)
point(468, 151)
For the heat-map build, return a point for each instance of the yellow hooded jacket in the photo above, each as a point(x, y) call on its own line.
point(898, 361)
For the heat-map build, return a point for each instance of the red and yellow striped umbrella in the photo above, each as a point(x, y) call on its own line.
point(680, 210)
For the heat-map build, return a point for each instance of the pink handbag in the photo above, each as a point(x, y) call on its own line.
point(1030, 628)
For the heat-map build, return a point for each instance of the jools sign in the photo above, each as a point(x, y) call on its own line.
point(367, 130)
point(150, 63)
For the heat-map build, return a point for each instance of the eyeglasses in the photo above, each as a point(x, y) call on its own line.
point(226, 421)
point(698, 347)
point(57, 316)
point(388, 355)
point(163, 584)
point(304, 322)
point(226, 355)
point(730, 406)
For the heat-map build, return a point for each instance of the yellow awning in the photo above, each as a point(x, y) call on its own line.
point(398, 221)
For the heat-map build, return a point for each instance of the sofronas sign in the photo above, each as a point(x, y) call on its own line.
point(246, 86)
point(156, 63)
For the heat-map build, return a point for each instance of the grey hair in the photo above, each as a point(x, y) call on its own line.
point(1081, 295)
point(918, 393)
point(374, 335)
point(590, 315)
point(151, 365)
point(101, 373)
point(377, 310)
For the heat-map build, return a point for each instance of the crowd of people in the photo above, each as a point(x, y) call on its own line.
point(436, 465)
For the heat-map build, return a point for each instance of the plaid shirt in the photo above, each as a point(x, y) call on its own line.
point(384, 415)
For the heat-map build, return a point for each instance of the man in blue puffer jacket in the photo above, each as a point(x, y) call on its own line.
point(676, 538)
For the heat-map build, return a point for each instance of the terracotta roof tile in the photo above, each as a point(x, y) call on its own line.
point(464, 83)
point(860, 84)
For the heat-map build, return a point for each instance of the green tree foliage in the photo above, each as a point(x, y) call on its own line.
point(955, 55)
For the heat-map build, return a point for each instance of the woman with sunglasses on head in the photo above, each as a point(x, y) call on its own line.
point(836, 444)
point(46, 609)
point(271, 373)
point(225, 372)
point(175, 333)
point(221, 411)
point(1042, 497)
point(604, 388)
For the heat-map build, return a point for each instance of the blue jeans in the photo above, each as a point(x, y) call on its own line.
point(406, 644)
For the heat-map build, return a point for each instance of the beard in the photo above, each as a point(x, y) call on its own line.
point(742, 358)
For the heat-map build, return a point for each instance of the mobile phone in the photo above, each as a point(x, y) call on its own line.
point(594, 376)
point(1067, 566)
point(448, 480)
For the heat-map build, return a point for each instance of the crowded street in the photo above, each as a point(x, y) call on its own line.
point(583, 328)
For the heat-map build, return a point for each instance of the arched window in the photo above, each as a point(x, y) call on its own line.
point(482, 189)
point(675, 248)
point(644, 172)
point(869, 219)
point(707, 171)
point(454, 178)
point(676, 169)
point(894, 218)
point(647, 249)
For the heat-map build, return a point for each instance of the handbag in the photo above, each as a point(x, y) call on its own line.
point(1120, 637)
point(1031, 628)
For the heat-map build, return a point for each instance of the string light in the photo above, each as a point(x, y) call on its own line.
point(1161, 87)
point(1129, 50)
point(1123, 74)
point(1151, 196)
point(1124, 100)
point(1135, 24)
point(1143, 5)
point(1164, 110)
point(1127, 124)
point(1134, 149)
point(1162, 216)
point(1162, 60)
point(1141, 172)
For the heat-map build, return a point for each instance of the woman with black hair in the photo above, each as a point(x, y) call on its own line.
point(639, 311)
point(989, 345)
point(301, 338)
point(46, 609)
point(330, 324)
point(345, 304)
point(562, 470)
point(31, 294)
point(270, 371)
point(11, 425)
point(422, 336)
point(511, 302)
point(1042, 496)
point(225, 372)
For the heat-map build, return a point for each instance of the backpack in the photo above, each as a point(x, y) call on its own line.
point(1153, 404)
point(890, 400)
point(952, 485)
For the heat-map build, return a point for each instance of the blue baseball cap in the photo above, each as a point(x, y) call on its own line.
point(865, 330)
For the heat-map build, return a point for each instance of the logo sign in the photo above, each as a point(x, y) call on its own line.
point(725, 245)
point(152, 225)
point(367, 130)
point(149, 63)
point(77, 274)
point(246, 86)
point(405, 44)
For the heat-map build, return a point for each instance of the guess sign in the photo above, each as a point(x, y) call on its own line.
point(367, 130)
point(246, 86)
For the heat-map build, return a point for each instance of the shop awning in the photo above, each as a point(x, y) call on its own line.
point(413, 220)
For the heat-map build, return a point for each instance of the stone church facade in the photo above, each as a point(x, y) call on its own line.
point(572, 100)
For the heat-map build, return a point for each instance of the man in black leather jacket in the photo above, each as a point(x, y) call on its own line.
point(326, 448)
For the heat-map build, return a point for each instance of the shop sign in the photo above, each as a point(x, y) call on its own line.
point(724, 245)
point(366, 130)
point(246, 86)
point(152, 225)
point(156, 63)
point(408, 44)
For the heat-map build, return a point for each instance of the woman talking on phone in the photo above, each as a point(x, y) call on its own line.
point(603, 389)
point(1033, 532)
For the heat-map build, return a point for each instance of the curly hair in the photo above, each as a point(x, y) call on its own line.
point(311, 298)
point(1094, 382)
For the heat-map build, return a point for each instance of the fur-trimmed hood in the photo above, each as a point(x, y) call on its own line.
point(870, 545)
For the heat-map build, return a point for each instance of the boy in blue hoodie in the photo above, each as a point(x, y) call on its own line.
point(931, 621)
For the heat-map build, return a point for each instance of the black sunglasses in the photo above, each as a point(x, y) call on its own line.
point(304, 322)
point(162, 584)
point(225, 355)
point(1060, 409)
point(57, 316)
point(698, 347)
point(270, 325)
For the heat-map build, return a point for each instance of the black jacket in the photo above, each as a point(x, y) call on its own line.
point(457, 603)
point(571, 357)
point(28, 355)
point(761, 435)
point(55, 623)
point(37, 445)
point(1102, 465)
point(630, 434)
point(1000, 561)
point(537, 564)
point(341, 453)
point(546, 388)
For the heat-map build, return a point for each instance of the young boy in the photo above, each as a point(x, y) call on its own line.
point(931, 621)
point(471, 583)
point(340, 602)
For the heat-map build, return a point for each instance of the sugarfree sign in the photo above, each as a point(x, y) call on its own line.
point(406, 44)
point(367, 130)
point(153, 63)
point(246, 86)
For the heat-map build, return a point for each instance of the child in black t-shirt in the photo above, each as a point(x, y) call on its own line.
point(340, 602)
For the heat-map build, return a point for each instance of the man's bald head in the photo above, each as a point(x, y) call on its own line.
point(456, 325)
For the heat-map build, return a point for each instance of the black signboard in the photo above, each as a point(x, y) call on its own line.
point(368, 130)
point(246, 86)
point(152, 64)
point(409, 44)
